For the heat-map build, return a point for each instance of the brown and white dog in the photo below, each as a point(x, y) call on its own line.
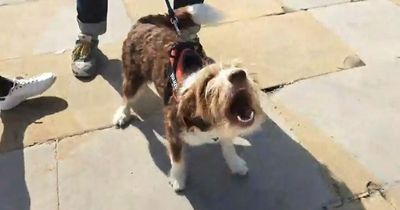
point(212, 100)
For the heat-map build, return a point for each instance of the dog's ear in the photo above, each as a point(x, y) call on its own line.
point(203, 79)
point(187, 112)
point(193, 106)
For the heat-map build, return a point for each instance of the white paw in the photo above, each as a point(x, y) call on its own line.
point(121, 117)
point(178, 177)
point(177, 185)
point(238, 166)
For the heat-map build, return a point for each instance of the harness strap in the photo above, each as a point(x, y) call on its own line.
point(175, 70)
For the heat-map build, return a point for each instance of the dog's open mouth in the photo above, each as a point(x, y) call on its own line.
point(240, 110)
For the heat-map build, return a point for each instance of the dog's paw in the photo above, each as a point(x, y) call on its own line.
point(177, 177)
point(177, 185)
point(121, 118)
point(239, 167)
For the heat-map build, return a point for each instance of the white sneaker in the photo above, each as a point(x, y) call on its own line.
point(26, 88)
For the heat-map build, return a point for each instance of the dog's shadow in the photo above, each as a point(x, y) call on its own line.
point(282, 174)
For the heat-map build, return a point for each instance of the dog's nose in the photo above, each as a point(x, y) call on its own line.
point(237, 76)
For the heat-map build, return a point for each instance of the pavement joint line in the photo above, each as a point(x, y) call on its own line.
point(80, 133)
point(14, 4)
point(57, 175)
point(49, 141)
point(333, 4)
point(372, 189)
point(386, 187)
point(37, 54)
point(60, 138)
point(275, 88)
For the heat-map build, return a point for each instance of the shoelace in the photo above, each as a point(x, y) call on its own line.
point(82, 50)
point(18, 84)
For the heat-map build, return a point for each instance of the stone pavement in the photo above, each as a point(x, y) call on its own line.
point(330, 73)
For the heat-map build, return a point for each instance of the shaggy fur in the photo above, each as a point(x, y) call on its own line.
point(213, 100)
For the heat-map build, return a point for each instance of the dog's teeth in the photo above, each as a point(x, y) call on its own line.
point(242, 120)
point(246, 120)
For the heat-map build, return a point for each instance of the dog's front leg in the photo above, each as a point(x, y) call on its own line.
point(122, 115)
point(178, 169)
point(235, 163)
point(175, 146)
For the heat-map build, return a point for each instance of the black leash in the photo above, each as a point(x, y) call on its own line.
point(170, 71)
point(174, 56)
point(171, 12)
point(172, 18)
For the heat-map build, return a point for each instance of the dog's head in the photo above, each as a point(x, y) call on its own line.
point(221, 97)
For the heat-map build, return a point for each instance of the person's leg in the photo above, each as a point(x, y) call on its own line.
point(92, 21)
point(92, 17)
point(182, 3)
point(22, 89)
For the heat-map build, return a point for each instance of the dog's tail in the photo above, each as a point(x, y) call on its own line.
point(200, 13)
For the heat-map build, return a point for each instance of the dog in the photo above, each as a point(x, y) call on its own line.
point(211, 100)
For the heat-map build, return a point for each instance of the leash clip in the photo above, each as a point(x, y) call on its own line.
point(174, 21)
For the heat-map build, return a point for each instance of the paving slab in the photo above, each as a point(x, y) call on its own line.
point(50, 26)
point(279, 49)
point(127, 169)
point(28, 179)
point(351, 177)
point(232, 9)
point(293, 5)
point(358, 110)
point(372, 28)
point(69, 106)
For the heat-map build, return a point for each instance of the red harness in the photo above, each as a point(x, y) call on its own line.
point(175, 70)
point(173, 59)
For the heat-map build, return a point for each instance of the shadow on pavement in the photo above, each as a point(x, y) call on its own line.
point(14, 193)
point(111, 71)
point(282, 176)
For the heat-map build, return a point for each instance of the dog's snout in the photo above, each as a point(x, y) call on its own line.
point(237, 76)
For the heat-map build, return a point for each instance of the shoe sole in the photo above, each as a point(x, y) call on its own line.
point(78, 74)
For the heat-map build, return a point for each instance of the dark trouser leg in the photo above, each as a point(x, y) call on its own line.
point(5, 86)
point(92, 16)
point(182, 3)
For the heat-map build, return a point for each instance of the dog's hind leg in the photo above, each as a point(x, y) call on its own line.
point(133, 82)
